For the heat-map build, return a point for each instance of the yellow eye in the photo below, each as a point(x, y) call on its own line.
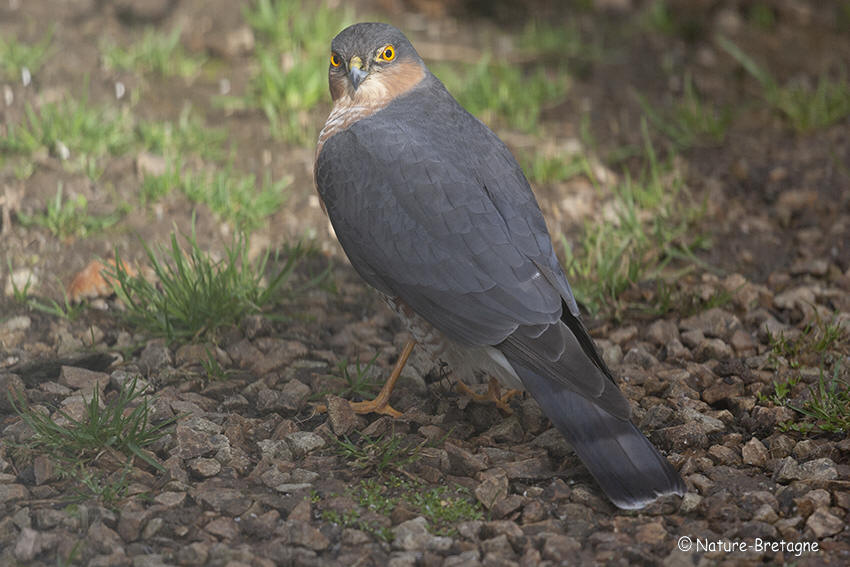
point(335, 60)
point(387, 53)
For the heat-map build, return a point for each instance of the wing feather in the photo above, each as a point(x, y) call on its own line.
point(452, 228)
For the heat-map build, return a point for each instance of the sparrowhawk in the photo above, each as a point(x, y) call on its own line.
point(434, 212)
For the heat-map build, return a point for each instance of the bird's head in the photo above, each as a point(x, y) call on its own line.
point(370, 62)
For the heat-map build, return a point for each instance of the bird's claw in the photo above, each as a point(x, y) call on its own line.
point(493, 396)
point(375, 406)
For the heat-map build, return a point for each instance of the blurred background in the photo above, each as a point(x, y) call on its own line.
point(133, 115)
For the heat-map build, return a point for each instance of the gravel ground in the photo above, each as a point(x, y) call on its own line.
point(253, 474)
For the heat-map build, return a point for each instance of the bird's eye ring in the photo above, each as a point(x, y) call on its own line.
point(387, 53)
point(335, 60)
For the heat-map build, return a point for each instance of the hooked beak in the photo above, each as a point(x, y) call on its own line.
point(355, 71)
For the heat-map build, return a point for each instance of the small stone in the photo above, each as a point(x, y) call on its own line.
point(469, 558)
point(341, 416)
point(195, 553)
point(303, 534)
point(662, 331)
point(824, 524)
point(303, 442)
point(533, 512)
point(651, 533)
point(690, 502)
point(819, 469)
point(639, 356)
point(83, 379)
point(507, 506)
point(723, 455)
point(294, 395)
point(130, 521)
point(30, 543)
point(155, 356)
point(506, 431)
point(712, 349)
point(754, 453)
point(151, 528)
point(170, 499)
point(681, 437)
point(811, 266)
point(799, 297)
point(413, 535)
point(229, 501)
point(493, 488)
point(675, 350)
point(462, 462)
point(275, 449)
point(765, 513)
point(223, 527)
point(715, 322)
point(742, 342)
point(554, 443)
point(788, 470)
point(10, 493)
point(780, 446)
point(498, 545)
point(558, 547)
point(44, 469)
point(804, 450)
point(701, 482)
point(204, 467)
point(723, 390)
point(623, 334)
point(612, 353)
point(499, 527)
point(692, 338)
point(535, 468)
point(192, 443)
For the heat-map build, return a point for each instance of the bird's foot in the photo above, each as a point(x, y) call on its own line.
point(493, 396)
point(381, 403)
point(375, 406)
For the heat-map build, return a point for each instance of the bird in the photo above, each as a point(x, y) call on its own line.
point(433, 211)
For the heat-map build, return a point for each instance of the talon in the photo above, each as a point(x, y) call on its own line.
point(381, 403)
point(375, 406)
point(493, 395)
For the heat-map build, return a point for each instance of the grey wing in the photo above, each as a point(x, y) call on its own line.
point(453, 230)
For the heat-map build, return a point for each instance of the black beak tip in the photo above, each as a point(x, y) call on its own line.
point(356, 75)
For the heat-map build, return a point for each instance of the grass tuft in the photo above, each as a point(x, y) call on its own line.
point(442, 506)
point(293, 38)
point(824, 408)
point(805, 107)
point(652, 226)
point(73, 130)
point(381, 455)
point(188, 135)
point(121, 425)
point(195, 295)
point(66, 218)
point(156, 52)
point(691, 121)
point(501, 92)
point(546, 169)
point(19, 60)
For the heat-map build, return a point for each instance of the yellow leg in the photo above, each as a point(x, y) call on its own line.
point(494, 395)
point(381, 403)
